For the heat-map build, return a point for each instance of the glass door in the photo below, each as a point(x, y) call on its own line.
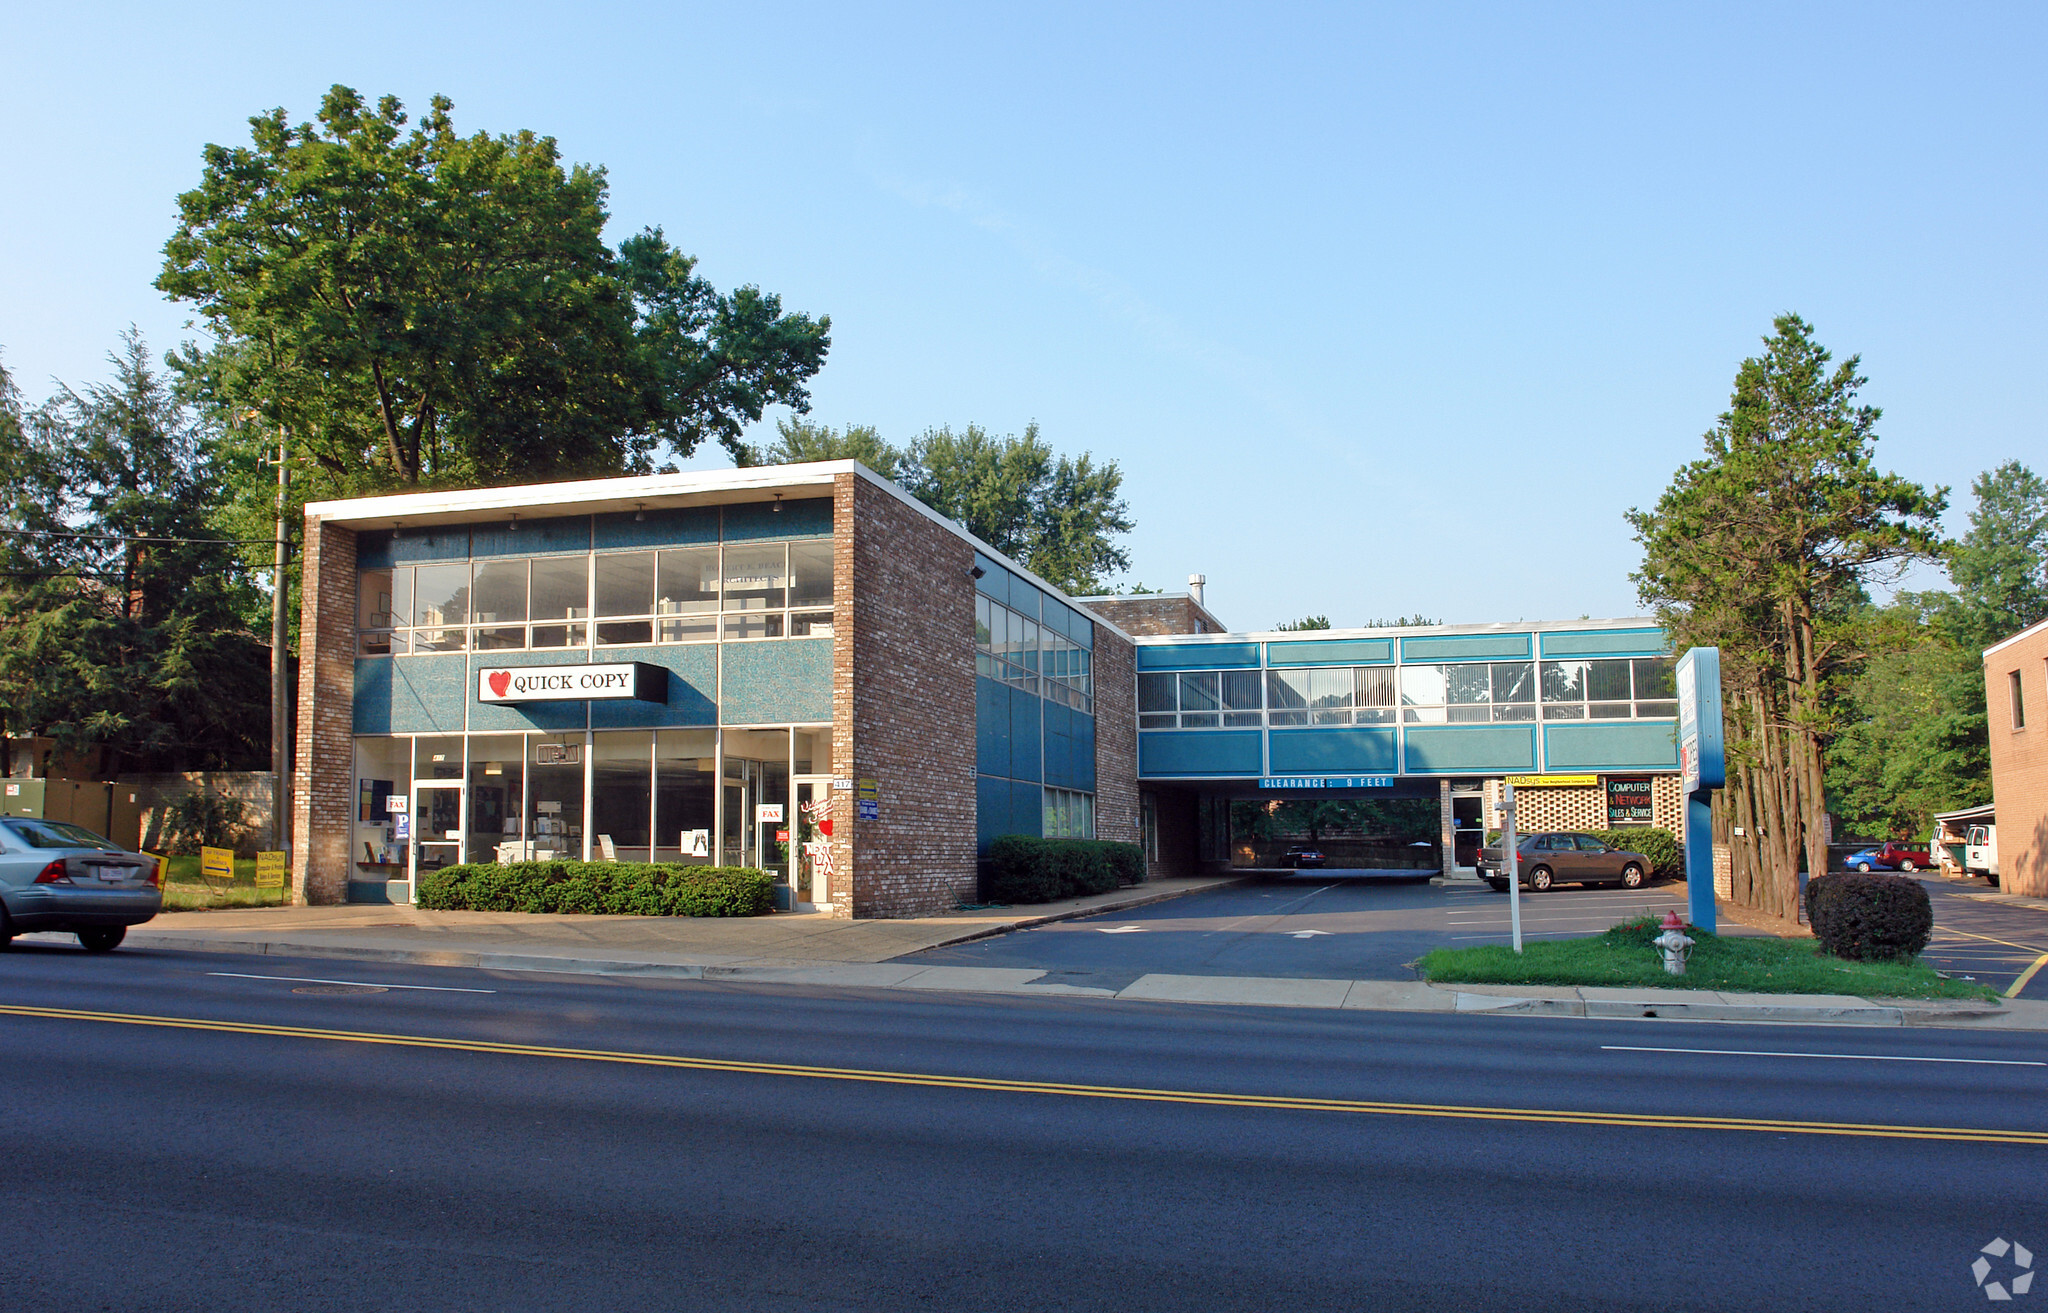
point(436, 827)
point(811, 854)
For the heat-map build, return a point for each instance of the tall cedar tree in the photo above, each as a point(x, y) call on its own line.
point(1762, 549)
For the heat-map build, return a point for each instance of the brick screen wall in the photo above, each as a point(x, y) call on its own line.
point(1116, 738)
point(2019, 762)
point(323, 784)
point(1585, 807)
point(903, 703)
point(1147, 616)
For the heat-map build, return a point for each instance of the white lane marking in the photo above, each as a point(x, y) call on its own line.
point(1859, 1057)
point(309, 980)
point(1122, 930)
point(1308, 934)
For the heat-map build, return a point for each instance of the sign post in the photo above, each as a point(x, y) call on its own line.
point(1510, 849)
point(1704, 768)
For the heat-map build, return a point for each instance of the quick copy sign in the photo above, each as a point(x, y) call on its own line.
point(624, 681)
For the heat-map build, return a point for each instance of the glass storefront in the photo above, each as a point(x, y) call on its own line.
point(726, 797)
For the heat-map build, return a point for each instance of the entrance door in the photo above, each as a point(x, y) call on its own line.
point(436, 827)
point(811, 853)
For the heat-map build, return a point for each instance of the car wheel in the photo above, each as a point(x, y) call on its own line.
point(1631, 876)
point(1907, 866)
point(1864, 867)
point(104, 940)
point(1540, 879)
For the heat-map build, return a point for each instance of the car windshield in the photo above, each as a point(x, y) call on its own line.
point(57, 834)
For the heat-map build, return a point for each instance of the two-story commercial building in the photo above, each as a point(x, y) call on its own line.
point(803, 668)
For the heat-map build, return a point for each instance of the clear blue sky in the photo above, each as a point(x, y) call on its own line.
point(1380, 309)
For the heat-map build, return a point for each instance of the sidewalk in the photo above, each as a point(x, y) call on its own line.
point(817, 950)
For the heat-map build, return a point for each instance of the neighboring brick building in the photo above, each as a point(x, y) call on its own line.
point(1150, 615)
point(799, 667)
point(2016, 697)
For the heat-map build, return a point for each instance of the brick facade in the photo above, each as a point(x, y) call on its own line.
point(1116, 738)
point(2019, 758)
point(1584, 807)
point(323, 789)
point(903, 702)
point(1149, 615)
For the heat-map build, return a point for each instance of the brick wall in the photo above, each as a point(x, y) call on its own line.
point(1116, 738)
point(1148, 616)
point(903, 702)
point(2019, 761)
point(323, 790)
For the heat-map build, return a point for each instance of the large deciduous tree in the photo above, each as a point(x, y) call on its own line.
point(1763, 548)
point(417, 307)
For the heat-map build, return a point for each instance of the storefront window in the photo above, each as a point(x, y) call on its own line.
point(382, 838)
point(497, 797)
point(756, 777)
point(554, 796)
point(498, 596)
point(1609, 689)
point(621, 776)
point(686, 597)
point(625, 597)
point(685, 795)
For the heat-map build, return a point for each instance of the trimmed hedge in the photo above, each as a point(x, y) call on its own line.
point(1023, 869)
point(616, 888)
point(1869, 918)
point(1660, 846)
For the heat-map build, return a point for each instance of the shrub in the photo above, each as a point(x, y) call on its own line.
point(1024, 869)
point(618, 888)
point(1660, 846)
point(1866, 918)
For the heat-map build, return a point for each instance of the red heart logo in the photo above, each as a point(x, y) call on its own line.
point(825, 827)
point(499, 680)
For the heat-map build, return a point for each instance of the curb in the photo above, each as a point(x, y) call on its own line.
point(1125, 905)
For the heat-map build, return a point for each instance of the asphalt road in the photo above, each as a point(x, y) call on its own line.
point(566, 1144)
point(1981, 933)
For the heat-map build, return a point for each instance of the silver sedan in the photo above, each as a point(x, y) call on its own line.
point(58, 876)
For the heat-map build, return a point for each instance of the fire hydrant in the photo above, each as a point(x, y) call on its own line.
point(1677, 945)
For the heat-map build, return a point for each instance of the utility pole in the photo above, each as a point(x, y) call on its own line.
point(280, 664)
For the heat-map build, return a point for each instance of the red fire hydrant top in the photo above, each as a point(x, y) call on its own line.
point(1671, 921)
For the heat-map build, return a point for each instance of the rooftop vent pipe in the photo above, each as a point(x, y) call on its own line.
point(1195, 585)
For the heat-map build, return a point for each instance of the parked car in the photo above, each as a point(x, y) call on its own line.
point(1303, 856)
point(1894, 856)
point(1553, 859)
point(57, 876)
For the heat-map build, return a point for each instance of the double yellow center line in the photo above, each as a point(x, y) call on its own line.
point(994, 1085)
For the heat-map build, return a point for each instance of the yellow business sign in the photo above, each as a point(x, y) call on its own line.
point(1553, 781)
point(270, 870)
point(217, 864)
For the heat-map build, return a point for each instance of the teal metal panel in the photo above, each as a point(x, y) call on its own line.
point(442, 543)
point(991, 809)
point(1027, 809)
point(673, 526)
point(991, 727)
point(1457, 749)
point(1610, 642)
point(1026, 722)
point(567, 533)
point(692, 688)
point(778, 680)
point(1164, 754)
point(1334, 751)
point(1332, 652)
point(425, 693)
point(1466, 647)
point(1198, 656)
point(1084, 753)
point(373, 549)
point(1616, 745)
point(760, 521)
point(488, 716)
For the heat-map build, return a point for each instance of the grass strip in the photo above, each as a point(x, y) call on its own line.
point(1623, 956)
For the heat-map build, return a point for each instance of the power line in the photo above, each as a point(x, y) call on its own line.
point(134, 538)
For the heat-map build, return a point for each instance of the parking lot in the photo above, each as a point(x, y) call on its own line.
point(1366, 926)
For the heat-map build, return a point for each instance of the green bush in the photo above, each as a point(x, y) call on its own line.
point(1024, 869)
point(1869, 918)
point(1660, 846)
point(616, 888)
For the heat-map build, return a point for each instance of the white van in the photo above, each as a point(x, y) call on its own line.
point(1980, 852)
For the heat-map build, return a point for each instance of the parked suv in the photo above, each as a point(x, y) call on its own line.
point(1554, 859)
point(1894, 856)
point(57, 876)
